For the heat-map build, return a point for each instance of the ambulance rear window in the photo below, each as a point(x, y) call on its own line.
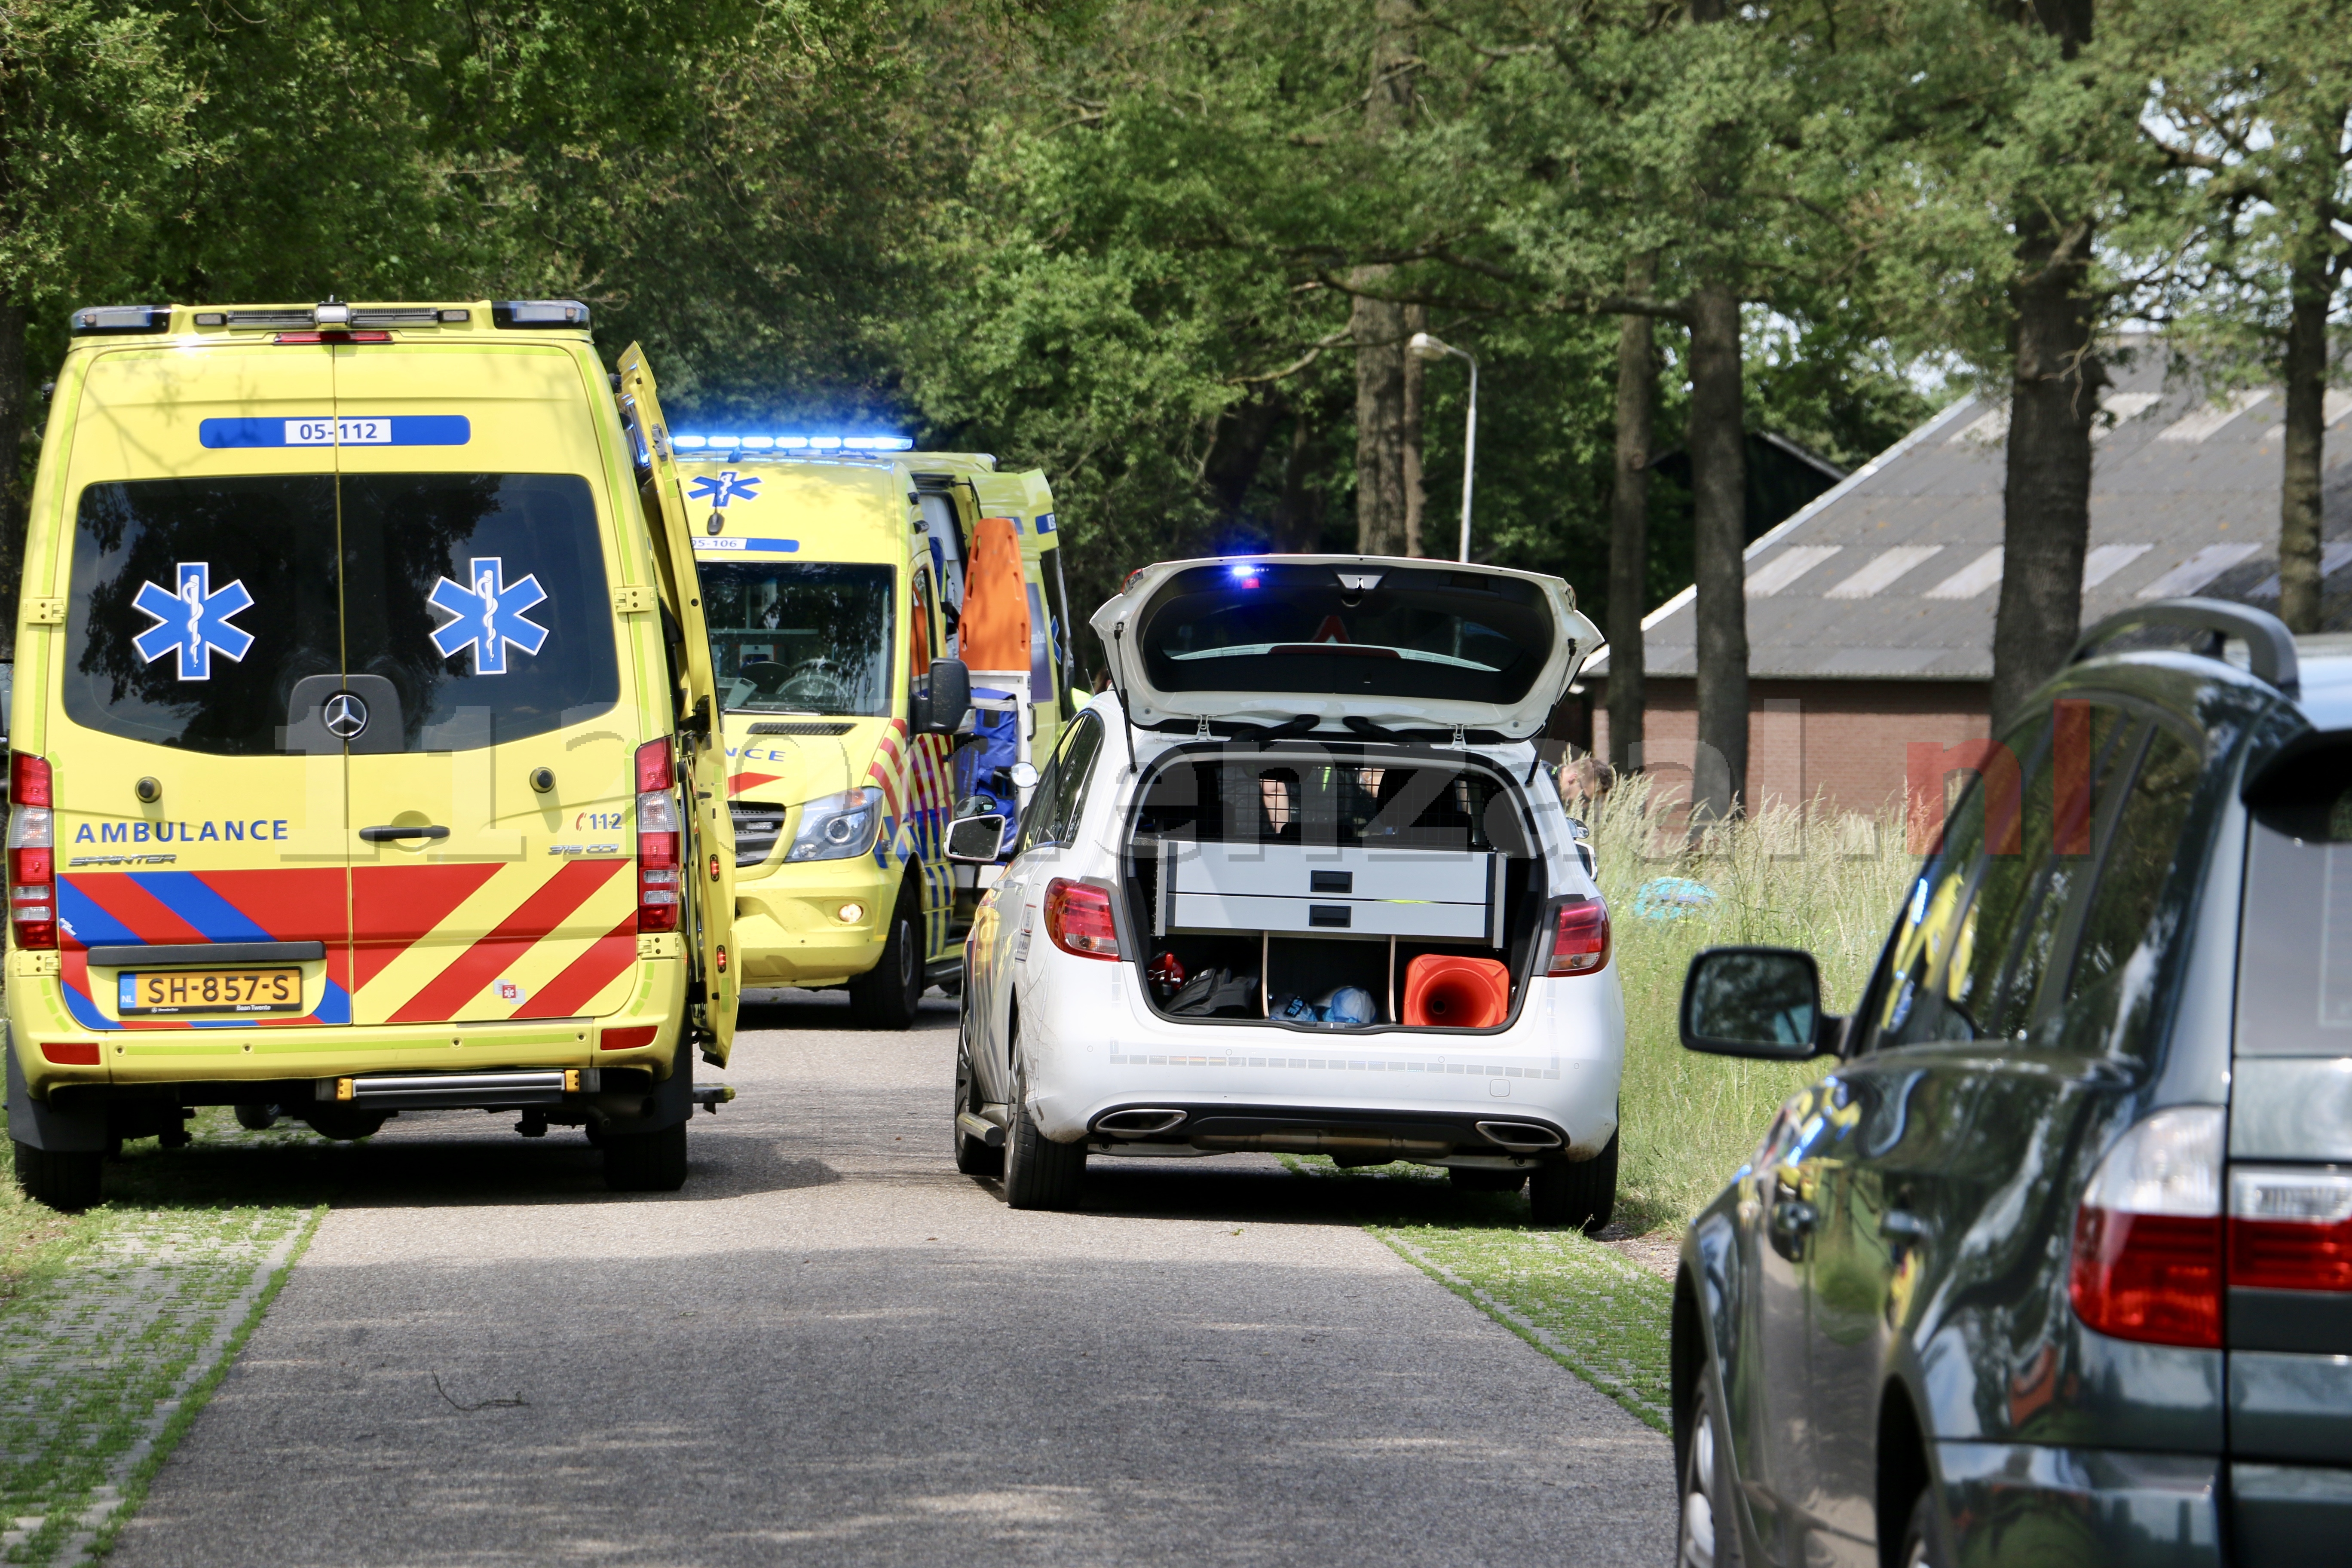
point(198, 607)
point(482, 599)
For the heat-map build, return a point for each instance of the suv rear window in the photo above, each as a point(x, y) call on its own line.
point(1459, 637)
point(2294, 956)
point(199, 605)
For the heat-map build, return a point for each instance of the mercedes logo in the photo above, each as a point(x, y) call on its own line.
point(346, 716)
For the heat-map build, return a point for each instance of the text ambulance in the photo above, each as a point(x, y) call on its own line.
point(853, 590)
point(361, 740)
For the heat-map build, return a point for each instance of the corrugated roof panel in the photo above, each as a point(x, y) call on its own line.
point(1972, 579)
point(1884, 569)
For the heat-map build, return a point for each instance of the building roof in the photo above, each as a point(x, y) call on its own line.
point(1895, 572)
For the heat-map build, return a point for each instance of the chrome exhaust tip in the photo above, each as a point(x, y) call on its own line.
point(1140, 1123)
point(1520, 1137)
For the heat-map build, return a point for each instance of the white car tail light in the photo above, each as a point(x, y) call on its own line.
point(658, 838)
point(1079, 918)
point(32, 866)
point(2291, 1229)
point(1580, 937)
point(2147, 1261)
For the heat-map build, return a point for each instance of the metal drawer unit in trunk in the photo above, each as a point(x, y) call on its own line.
point(1328, 890)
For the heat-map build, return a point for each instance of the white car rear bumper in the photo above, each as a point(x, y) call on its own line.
point(1093, 1046)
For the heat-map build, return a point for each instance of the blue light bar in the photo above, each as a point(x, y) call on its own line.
point(747, 443)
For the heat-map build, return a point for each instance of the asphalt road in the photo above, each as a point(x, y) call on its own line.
point(831, 1348)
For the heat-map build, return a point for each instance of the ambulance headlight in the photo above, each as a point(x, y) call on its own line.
point(837, 827)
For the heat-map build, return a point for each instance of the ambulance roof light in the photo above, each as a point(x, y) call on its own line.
point(746, 443)
point(528, 313)
point(101, 319)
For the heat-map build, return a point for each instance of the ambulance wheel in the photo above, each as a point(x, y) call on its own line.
point(973, 1157)
point(887, 996)
point(1485, 1179)
point(645, 1161)
point(257, 1118)
point(334, 1122)
point(1581, 1194)
point(68, 1183)
point(1039, 1174)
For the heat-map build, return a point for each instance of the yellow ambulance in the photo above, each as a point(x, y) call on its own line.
point(363, 746)
point(840, 585)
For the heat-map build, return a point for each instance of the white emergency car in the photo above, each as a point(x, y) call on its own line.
point(1301, 883)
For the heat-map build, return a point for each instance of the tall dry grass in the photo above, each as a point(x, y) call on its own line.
point(1785, 878)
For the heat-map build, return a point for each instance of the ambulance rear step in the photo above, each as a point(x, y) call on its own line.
point(466, 1091)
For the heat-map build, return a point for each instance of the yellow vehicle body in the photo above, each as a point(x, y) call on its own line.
point(767, 527)
point(338, 650)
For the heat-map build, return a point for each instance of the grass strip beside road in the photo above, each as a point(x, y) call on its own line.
point(115, 1327)
point(1579, 1301)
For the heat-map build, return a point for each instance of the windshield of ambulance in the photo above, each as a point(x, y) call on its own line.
point(789, 636)
point(2294, 954)
point(1266, 626)
point(216, 615)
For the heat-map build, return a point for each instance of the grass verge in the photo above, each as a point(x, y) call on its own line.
point(115, 1329)
point(1829, 885)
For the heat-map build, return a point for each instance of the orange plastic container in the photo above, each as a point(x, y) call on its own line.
point(1450, 991)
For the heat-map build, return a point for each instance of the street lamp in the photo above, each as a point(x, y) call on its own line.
point(1425, 347)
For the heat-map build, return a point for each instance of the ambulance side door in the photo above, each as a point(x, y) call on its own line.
point(709, 849)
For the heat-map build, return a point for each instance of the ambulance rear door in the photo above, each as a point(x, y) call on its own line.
point(492, 776)
point(199, 822)
point(703, 749)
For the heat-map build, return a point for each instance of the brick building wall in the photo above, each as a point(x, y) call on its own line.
point(1845, 740)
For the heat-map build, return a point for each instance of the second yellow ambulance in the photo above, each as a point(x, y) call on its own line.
point(853, 607)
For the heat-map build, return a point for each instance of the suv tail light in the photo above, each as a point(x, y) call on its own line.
point(1580, 937)
point(1077, 918)
point(658, 838)
point(2147, 1238)
point(32, 868)
point(2291, 1229)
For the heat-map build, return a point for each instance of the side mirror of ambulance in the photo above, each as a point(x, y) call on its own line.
point(976, 840)
point(1022, 775)
point(946, 700)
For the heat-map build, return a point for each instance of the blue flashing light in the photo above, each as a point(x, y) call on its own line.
point(1246, 576)
point(761, 442)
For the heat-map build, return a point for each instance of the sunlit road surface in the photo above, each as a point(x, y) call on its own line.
point(831, 1348)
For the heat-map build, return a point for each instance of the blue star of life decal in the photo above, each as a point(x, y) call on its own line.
point(194, 622)
point(728, 486)
point(489, 615)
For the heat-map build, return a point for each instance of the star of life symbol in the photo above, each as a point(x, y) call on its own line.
point(194, 622)
point(489, 615)
point(729, 485)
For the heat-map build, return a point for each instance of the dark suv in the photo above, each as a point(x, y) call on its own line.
point(2055, 1264)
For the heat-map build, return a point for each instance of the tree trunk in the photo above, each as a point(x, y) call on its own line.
point(2046, 495)
point(1378, 326)
point(1237, 450)
point(2310, 287)
point(2054, 398)
point(1629, 520)
point(1416, 319)
point(1299, 515)
point(15, 408)
point(1379, 329)
point(1715, 438)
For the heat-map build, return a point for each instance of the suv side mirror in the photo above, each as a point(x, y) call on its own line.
point(1762, 1002)
point(976, 840)
point(945, 701)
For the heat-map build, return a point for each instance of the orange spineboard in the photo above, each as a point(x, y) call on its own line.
point(994, 633)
